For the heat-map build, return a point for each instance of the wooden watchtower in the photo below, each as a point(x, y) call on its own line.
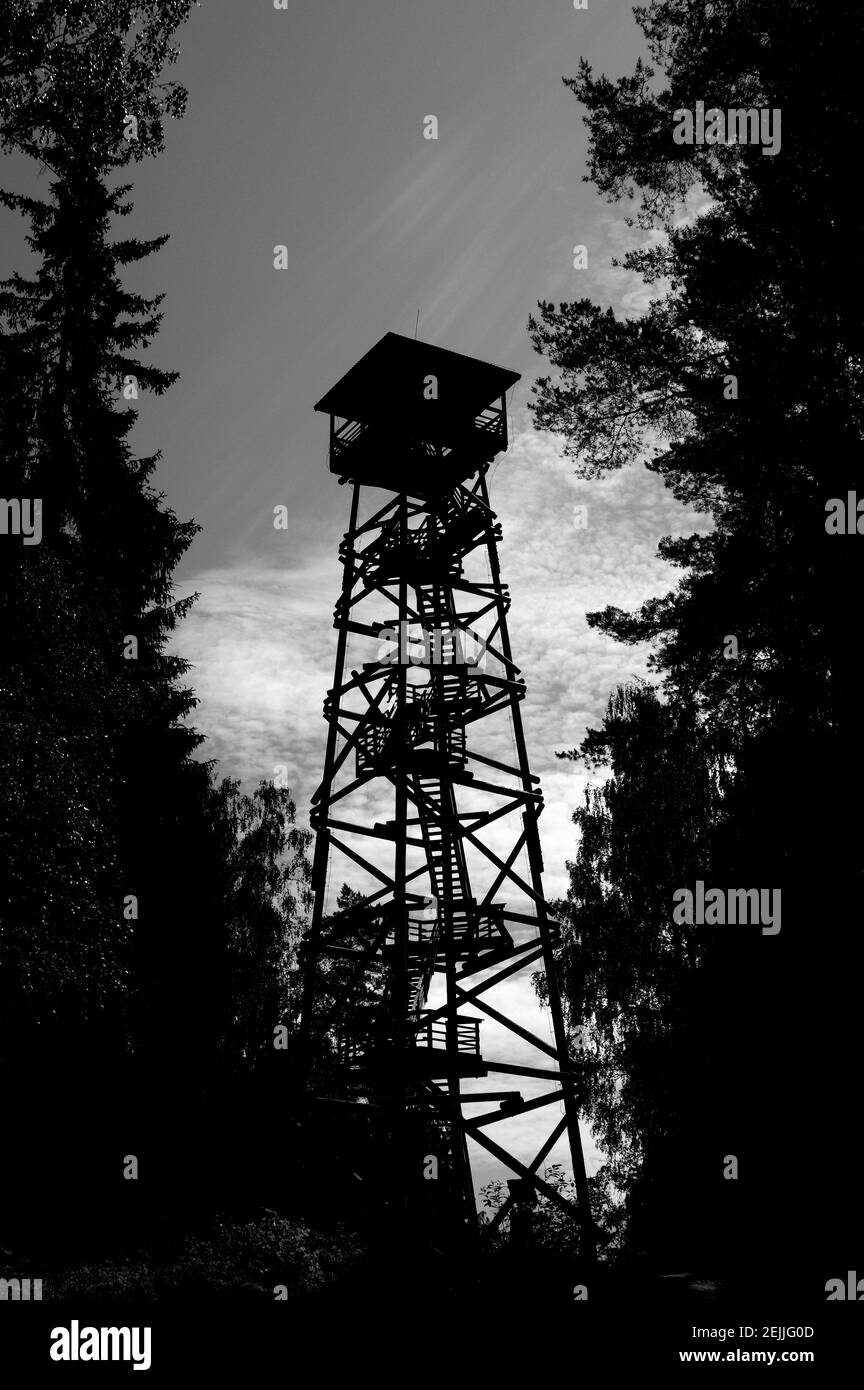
point(427, 799)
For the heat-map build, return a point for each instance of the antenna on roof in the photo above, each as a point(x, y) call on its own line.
point(417, 325)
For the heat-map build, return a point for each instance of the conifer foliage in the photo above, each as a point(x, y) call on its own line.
point(89, 698)
point(740, 386)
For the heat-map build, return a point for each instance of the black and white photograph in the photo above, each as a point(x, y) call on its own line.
point(430, 696)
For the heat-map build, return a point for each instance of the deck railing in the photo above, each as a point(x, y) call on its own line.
point(434, 1034)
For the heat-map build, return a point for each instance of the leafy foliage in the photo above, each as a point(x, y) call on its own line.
point(238, 1259)
point(709, 776)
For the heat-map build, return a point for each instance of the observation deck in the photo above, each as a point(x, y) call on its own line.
point(411, 417)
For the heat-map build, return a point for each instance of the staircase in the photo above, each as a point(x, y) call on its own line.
point(428, 738)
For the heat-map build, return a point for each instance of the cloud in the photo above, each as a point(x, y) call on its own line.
point(262, 645)
point(557, 573)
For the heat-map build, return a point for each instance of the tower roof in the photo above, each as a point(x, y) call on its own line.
point(393, 371)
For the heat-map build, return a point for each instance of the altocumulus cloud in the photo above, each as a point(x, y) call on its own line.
point(262, 647)
point(262, 644)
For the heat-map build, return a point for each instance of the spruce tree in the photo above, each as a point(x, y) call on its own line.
point(86, 725)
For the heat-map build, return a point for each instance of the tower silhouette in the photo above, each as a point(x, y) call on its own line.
point(428, 802)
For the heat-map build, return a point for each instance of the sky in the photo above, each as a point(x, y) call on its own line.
point(305, 130)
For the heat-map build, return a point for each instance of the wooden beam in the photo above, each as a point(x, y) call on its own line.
point(511, 969)
point(507, 1023)
point(493, 1116)
point(364, 863)
point(504, 1211)
point(510, 1162)
point(513, 1070)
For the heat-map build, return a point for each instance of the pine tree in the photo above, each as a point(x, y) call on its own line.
point(85, 730)
point(741, 387)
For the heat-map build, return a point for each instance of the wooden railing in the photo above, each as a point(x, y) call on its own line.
point(434, 1034)
point(490, 423)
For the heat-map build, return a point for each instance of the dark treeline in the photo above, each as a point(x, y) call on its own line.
point(742, 383)
point(149, 915)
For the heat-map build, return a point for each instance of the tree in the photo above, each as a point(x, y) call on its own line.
point(95, 769)
point(735, 300)
point(548, 1227)
point(90, 719)
point(265, 898)
point(746, 289)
